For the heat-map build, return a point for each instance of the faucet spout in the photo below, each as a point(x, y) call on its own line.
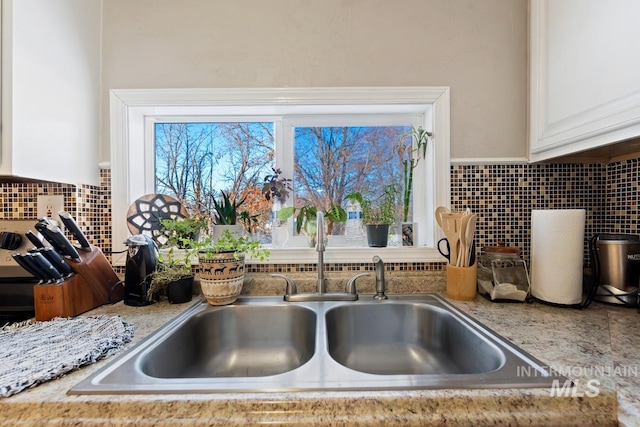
point(380, 282)
point(321, 283)
point(321, 294)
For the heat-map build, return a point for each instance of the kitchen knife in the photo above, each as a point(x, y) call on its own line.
point(56, 259)
point(60, 243)
point(72, 226)
point(26, 261)
point(41, 227)
point(18, 258)
point(34, 239)
point(45, 220)
point(45, 265)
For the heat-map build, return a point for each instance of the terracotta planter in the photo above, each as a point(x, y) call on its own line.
point(221, 277)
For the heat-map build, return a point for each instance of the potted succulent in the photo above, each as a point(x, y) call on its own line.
point(226, 215)
point(378, 216)
point(221, 265)
point(411, 147)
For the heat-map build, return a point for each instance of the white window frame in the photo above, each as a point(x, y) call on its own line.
point(134, 111)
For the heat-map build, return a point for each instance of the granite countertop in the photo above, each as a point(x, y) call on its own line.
point(601, 343)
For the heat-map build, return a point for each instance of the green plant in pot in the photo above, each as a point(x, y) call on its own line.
point(226, 214)
point(174, 278)
point(173, 275)
point(181, 232)
point(221, 265)
point(379, 215)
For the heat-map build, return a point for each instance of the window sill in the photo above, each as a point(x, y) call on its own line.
point(336, 255)
point(351, 255)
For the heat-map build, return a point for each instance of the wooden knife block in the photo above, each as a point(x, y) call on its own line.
point(92, 285)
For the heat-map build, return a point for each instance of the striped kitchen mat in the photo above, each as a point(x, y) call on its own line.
point(32, 352)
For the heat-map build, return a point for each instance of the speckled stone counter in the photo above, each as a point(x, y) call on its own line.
point(596, 343)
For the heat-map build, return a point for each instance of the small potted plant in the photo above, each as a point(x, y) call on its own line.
point(226, 214)
point(174, 278)
point(180, 232)
point(378, 216)
point(173, 275)
point(221, 265)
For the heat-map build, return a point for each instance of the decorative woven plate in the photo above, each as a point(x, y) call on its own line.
point(145, 214)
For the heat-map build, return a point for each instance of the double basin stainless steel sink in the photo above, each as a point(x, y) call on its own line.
point(262, 344)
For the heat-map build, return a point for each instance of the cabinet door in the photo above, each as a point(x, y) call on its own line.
point(51, 90)
point(584, 85)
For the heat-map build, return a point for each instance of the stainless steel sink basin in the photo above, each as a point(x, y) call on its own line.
point(242, 341)
point(405, 339)
point(262, 344)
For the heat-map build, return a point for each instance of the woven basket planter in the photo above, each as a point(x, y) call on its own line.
point(221, 277)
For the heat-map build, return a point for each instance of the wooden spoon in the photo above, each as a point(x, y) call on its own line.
point(440, 211)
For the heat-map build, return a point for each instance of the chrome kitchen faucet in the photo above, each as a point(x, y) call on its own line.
point(291, 292)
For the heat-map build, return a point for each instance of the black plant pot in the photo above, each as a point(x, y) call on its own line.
point(180, 290)
point(377, 235)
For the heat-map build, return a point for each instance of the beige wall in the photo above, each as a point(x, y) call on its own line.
point(477, 47)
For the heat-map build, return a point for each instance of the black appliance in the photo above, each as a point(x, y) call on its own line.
point(142, 258)
point(16, 285)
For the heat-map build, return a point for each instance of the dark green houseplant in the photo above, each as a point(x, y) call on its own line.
point(379, 215)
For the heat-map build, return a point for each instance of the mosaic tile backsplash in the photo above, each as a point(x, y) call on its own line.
point(502, 195)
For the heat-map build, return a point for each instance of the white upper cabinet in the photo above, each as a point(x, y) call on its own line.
point(585, 75)
point(51, 90)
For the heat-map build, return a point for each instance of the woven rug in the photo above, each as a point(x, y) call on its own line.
point(33, 352)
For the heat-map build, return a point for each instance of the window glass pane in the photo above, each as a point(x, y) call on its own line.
point(195, 161)
point(331, 162)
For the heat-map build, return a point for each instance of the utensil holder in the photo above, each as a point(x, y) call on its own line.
point(461, 282)
point(93, 284)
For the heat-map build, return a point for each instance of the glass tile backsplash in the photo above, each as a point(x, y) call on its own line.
point(502, 195)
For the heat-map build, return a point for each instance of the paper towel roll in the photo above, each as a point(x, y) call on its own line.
point(557, 239)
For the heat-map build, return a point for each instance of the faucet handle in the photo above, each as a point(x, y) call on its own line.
point(350, 287)
point(291, 286)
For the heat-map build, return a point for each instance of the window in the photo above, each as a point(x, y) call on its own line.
point(288, 125)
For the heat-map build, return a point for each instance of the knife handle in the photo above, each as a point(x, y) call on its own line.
point(28, 264)
point(34, 239)
point(73, 227)
point(56, 259)
point(45, 265)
